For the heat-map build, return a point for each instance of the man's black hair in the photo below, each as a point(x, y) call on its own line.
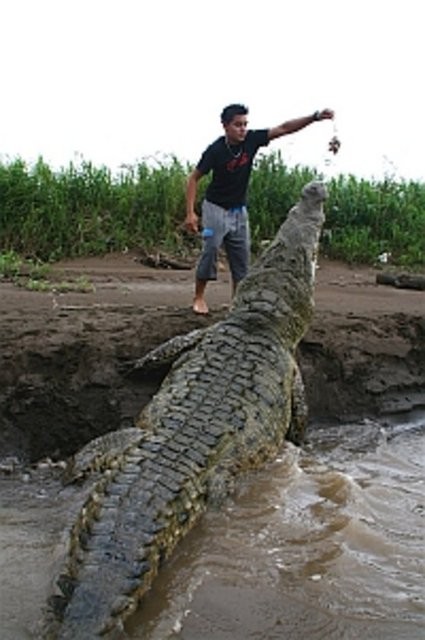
point(231, 111)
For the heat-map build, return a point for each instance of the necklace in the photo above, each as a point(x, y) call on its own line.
point(234, 155)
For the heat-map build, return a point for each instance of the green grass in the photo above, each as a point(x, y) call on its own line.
point(80, 210)
point(81, 285)
point(36, 276)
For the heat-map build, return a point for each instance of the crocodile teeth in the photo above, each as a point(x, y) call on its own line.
point(120, 604)
point(66, 584)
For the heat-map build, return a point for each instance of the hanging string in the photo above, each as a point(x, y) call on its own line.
point(333, 148)
point(328, 173)
point(334, 143)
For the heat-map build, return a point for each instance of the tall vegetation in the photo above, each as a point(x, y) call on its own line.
point(83, 209)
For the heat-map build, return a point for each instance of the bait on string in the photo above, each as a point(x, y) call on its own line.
point(328, 172)
point(334, 143)
point(328, 159)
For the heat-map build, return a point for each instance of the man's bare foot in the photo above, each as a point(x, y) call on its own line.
point(200, 306)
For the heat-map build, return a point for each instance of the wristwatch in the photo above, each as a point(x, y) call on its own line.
point(316, 116)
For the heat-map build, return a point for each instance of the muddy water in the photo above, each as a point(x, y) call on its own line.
point(326, 543)
point(34, 512)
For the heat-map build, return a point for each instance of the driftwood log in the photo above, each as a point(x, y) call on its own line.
point(402, 280)
point(160, 260)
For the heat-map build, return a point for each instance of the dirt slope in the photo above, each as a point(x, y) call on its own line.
point(63, 356)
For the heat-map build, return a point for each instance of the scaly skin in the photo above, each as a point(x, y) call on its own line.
point(226, 406)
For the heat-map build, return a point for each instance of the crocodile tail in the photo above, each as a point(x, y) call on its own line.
point(131, 521)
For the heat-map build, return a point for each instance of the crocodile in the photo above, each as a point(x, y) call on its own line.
point(226, 405)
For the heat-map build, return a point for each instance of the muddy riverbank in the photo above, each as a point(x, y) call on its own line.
point(64, 357)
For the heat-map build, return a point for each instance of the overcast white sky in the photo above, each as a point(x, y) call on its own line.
point(115, 81)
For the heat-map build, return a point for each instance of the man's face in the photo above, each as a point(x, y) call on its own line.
point(236, 129)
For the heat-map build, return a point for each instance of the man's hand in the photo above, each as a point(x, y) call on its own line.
point(326, 114)
point(191, 222)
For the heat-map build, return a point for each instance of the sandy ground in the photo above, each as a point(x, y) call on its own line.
point(121, 279)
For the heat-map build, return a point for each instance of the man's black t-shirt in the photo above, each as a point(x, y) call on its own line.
point(231, 167)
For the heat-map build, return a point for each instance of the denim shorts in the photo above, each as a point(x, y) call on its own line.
point(228, 228)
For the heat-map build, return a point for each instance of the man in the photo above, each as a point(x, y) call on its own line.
point(224, 214)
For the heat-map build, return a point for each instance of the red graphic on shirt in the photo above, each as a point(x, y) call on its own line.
point(235, 163)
